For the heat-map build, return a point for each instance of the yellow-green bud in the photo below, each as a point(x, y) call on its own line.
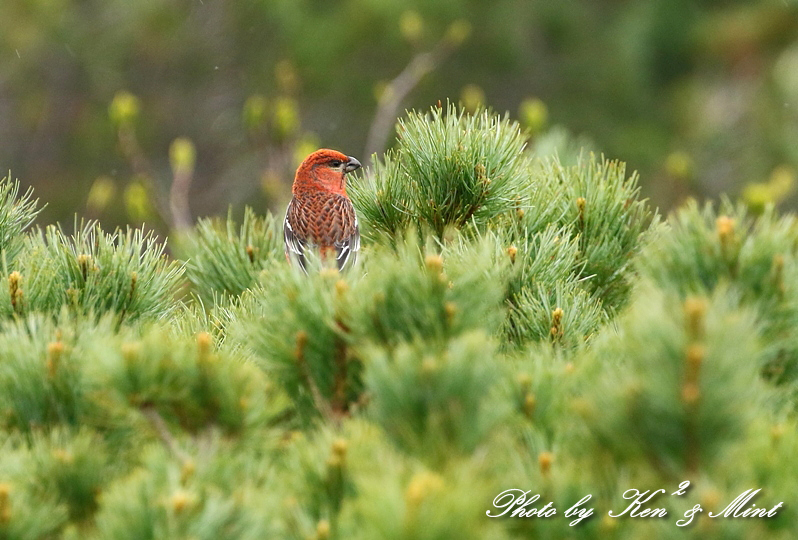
point(458, 32)
point(472, 97)
point(254, 112)
point(286, 118)
point(182, 156)
point(534, 115)
point(411, 26)
point(101, 194)
point(124, 109)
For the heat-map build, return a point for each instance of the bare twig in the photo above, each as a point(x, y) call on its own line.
point(396, 91)
point(178, 200)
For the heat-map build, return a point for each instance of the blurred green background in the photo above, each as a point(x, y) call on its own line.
point(700, 96)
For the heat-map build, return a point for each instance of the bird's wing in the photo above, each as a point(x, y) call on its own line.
point(343, 232)
point(346, 250)
point(295, 245)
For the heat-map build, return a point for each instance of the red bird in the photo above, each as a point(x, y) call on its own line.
point(320, 215)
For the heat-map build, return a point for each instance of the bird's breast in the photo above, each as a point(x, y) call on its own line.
point(323, 219)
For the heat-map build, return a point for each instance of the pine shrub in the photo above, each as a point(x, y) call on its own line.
point(514, 322)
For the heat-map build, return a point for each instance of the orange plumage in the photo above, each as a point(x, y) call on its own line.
point(320, 215)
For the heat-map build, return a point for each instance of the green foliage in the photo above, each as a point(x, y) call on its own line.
point(564, 315)
point(602, 209)
point(667, 376)
point(74, 467)
point(521, 257)
point(223, 260)
point(704, 247)
point(570, 233)
point(187, 383)
point(296, 328)
point(538, 271)
point(755, 257)
point(559, 143)
point(436, 405)
point(417, 505)
point(195, 317)
point(40, 377)
point(17, 213)
point(93, 272)
point(310, 332)
point(165, 500)
point(449, 169)
point(421, 294)
point(540, 383)
point(765, 460)
point(27, 512)
point(76, 374)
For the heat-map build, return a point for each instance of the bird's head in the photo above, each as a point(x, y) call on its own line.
point(324, 170)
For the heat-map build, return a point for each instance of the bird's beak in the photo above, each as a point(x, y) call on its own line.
point(352, 164)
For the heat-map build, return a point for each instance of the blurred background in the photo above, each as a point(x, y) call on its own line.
point(166, 110)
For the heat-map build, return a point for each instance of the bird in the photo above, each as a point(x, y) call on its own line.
point(320, 216)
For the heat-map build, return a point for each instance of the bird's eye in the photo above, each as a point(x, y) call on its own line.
point(335, 163)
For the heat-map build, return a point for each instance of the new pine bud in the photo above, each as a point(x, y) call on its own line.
point(323, 530)
point(182, 501)
point(529, 404)
point(512, 251)
point(54, 352)
point(5, 503)
point(694, 310)
point(545, 460)
point(725, 226)
point(340, 447)
point(421, 486)
point(434, 263)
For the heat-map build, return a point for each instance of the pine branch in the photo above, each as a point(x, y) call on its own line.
point(162, 430)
